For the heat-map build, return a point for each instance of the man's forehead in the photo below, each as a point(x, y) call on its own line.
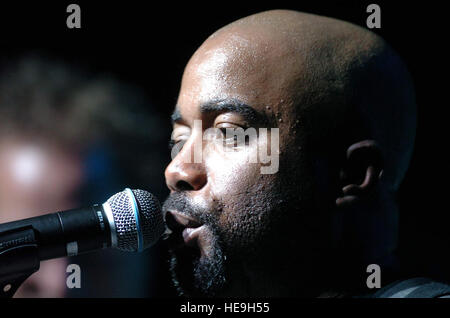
point(276, 66)
point(234, 52)
point(233, 67)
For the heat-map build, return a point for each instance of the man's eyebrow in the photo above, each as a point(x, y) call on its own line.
point(234, 106)
point(228, 105)
point(176, 116)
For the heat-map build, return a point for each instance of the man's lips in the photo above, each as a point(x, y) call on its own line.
point(184, 220)
point(191, 230)
point(191, 235)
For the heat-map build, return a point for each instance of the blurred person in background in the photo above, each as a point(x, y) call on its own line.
point(69, 139)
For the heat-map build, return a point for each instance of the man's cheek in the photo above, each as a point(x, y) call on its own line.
point(231, 172)
point(239, 231)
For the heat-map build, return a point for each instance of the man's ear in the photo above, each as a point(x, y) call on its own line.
point(361, 172)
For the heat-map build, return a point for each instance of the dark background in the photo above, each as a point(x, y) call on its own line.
point(149, 45)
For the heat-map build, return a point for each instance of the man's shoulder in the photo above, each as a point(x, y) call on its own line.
point(418, 287)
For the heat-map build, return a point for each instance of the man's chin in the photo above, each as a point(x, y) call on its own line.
point(197, 276)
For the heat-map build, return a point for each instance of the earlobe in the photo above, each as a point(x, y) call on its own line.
point(362, 173)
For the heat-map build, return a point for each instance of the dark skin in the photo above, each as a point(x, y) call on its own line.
point(274, 233)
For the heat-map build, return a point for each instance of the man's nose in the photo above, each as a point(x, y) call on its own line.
point(183, 174)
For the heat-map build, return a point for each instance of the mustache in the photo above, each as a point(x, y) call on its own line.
point(181, 203)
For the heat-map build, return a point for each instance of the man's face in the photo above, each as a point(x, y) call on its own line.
point(225, 213)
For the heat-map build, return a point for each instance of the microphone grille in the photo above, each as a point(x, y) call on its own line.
point(136, 231)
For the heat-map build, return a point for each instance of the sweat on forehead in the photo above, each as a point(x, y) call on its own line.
point(277, 55)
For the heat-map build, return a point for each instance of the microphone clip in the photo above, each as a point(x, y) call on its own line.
point(19, 258)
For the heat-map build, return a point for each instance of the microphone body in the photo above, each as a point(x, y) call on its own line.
point(61, 234)
point(130, 220)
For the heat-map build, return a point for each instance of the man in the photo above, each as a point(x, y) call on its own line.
point(343, 105)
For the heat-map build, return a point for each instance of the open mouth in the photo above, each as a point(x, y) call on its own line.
point(186, 231)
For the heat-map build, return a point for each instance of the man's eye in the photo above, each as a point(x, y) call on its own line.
point(232, 138)
point(175, 146)
point(173, 143)
point(224, 132)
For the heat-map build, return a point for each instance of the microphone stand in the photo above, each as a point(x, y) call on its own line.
point(19, 259)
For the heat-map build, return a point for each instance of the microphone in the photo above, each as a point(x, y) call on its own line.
point(130, 220)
